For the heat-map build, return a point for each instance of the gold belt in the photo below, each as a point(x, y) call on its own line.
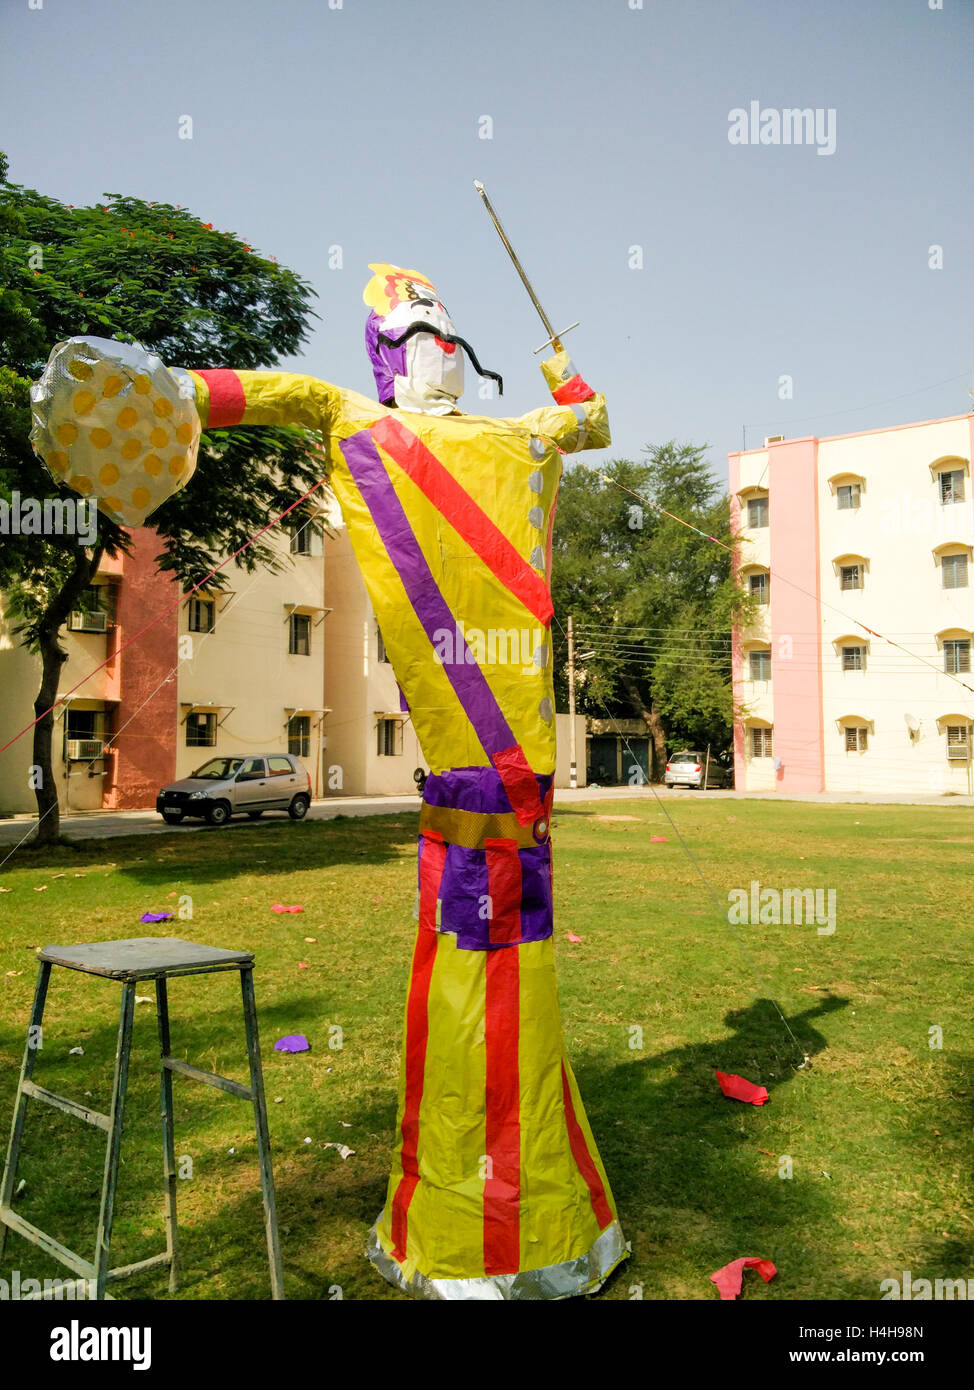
point(472, 828)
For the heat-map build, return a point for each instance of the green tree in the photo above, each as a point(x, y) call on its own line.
point(154, 274)
point(653, 601)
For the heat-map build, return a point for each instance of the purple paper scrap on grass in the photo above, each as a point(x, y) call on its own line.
point(294, 1042)
point(156, 917)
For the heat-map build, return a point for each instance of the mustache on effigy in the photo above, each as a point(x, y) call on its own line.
point(420, 327)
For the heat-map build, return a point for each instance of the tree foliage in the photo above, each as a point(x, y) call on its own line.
point(653, 600)
point(199, 297)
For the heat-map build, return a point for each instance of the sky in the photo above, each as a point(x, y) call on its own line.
point(725, 291)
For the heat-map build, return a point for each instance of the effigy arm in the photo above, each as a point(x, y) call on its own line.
point(579, 419)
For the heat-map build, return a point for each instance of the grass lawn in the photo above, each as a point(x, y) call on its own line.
point(878, 1129)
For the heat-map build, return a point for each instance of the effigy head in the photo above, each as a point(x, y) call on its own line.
point(411, 342)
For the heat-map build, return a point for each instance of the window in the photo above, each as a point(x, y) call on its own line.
point(280, 766)
point(850, 577)
point(88, 723)
point(299, 735)
point(953, 569)
point(92, 599)
point(251, 770)
point(201, 613)
point(847, 496)
point(761, 743)
point(95, 609)
point(951, 487)
point(383, 655)
point(761, 665)
point(958, 742)
point(957, 657)
point(201, 731)
point(390, 737)
point(761, 587)
point(856, 738)
point(300, 643)
point(306, 537)
point(853, 658)
point(757, 512)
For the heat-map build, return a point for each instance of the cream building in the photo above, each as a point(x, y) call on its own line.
point(847, 542)
point(371, 747)
point(170, 682)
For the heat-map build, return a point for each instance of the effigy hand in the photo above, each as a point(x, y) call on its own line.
point(113, 423)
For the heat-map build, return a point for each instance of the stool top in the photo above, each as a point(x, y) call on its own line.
point(142, 957)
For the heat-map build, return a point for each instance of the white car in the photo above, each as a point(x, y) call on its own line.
point(249, 785)
point(687, 770)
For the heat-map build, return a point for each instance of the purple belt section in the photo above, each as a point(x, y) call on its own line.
point(474, 789)
point(463, 888)
point(464, 896)
point(467, 679)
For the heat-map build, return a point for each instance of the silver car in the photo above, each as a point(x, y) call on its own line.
point(688, 769)
point(251, 785)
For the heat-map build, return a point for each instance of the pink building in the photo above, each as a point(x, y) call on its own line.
point(847, 542)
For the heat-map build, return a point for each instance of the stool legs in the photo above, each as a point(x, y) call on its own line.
point(168, 1135)
point(116, 1117)
point(263, 1138)
point(31, 1049)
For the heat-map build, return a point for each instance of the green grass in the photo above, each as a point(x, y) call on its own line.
point(878, 1128)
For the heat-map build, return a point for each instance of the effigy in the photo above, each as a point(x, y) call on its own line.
point(497, 1188)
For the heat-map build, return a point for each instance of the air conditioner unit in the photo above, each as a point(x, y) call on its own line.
point(82, 750)
point(774, 439)
point(87, 622)
point(958, 752)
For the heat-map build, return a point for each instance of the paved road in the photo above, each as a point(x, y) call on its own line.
point(85, 825)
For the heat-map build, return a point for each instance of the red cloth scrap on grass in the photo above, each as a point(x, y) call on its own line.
point(737, 1088)
point(279, 908)
point(731, 1277)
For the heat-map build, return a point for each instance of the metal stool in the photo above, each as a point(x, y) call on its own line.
point(140, 958)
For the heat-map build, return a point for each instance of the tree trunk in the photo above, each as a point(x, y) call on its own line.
point(53, 657)
point(653, 722)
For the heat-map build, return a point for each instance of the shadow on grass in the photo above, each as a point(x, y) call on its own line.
point(280, 847)
point(692, 1182)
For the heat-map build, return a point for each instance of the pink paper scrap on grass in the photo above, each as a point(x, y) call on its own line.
point(730, 1279)
point(738, 1088)
point(279, 908)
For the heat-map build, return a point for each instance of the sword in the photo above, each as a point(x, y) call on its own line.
point(553, 339)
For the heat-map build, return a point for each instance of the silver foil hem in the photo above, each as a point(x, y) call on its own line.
point(585, 1274)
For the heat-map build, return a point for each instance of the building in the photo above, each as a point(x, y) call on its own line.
point(238, 670)
point(847, 542)
point(372, 749)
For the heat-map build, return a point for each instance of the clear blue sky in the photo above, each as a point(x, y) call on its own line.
point(359, 126)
